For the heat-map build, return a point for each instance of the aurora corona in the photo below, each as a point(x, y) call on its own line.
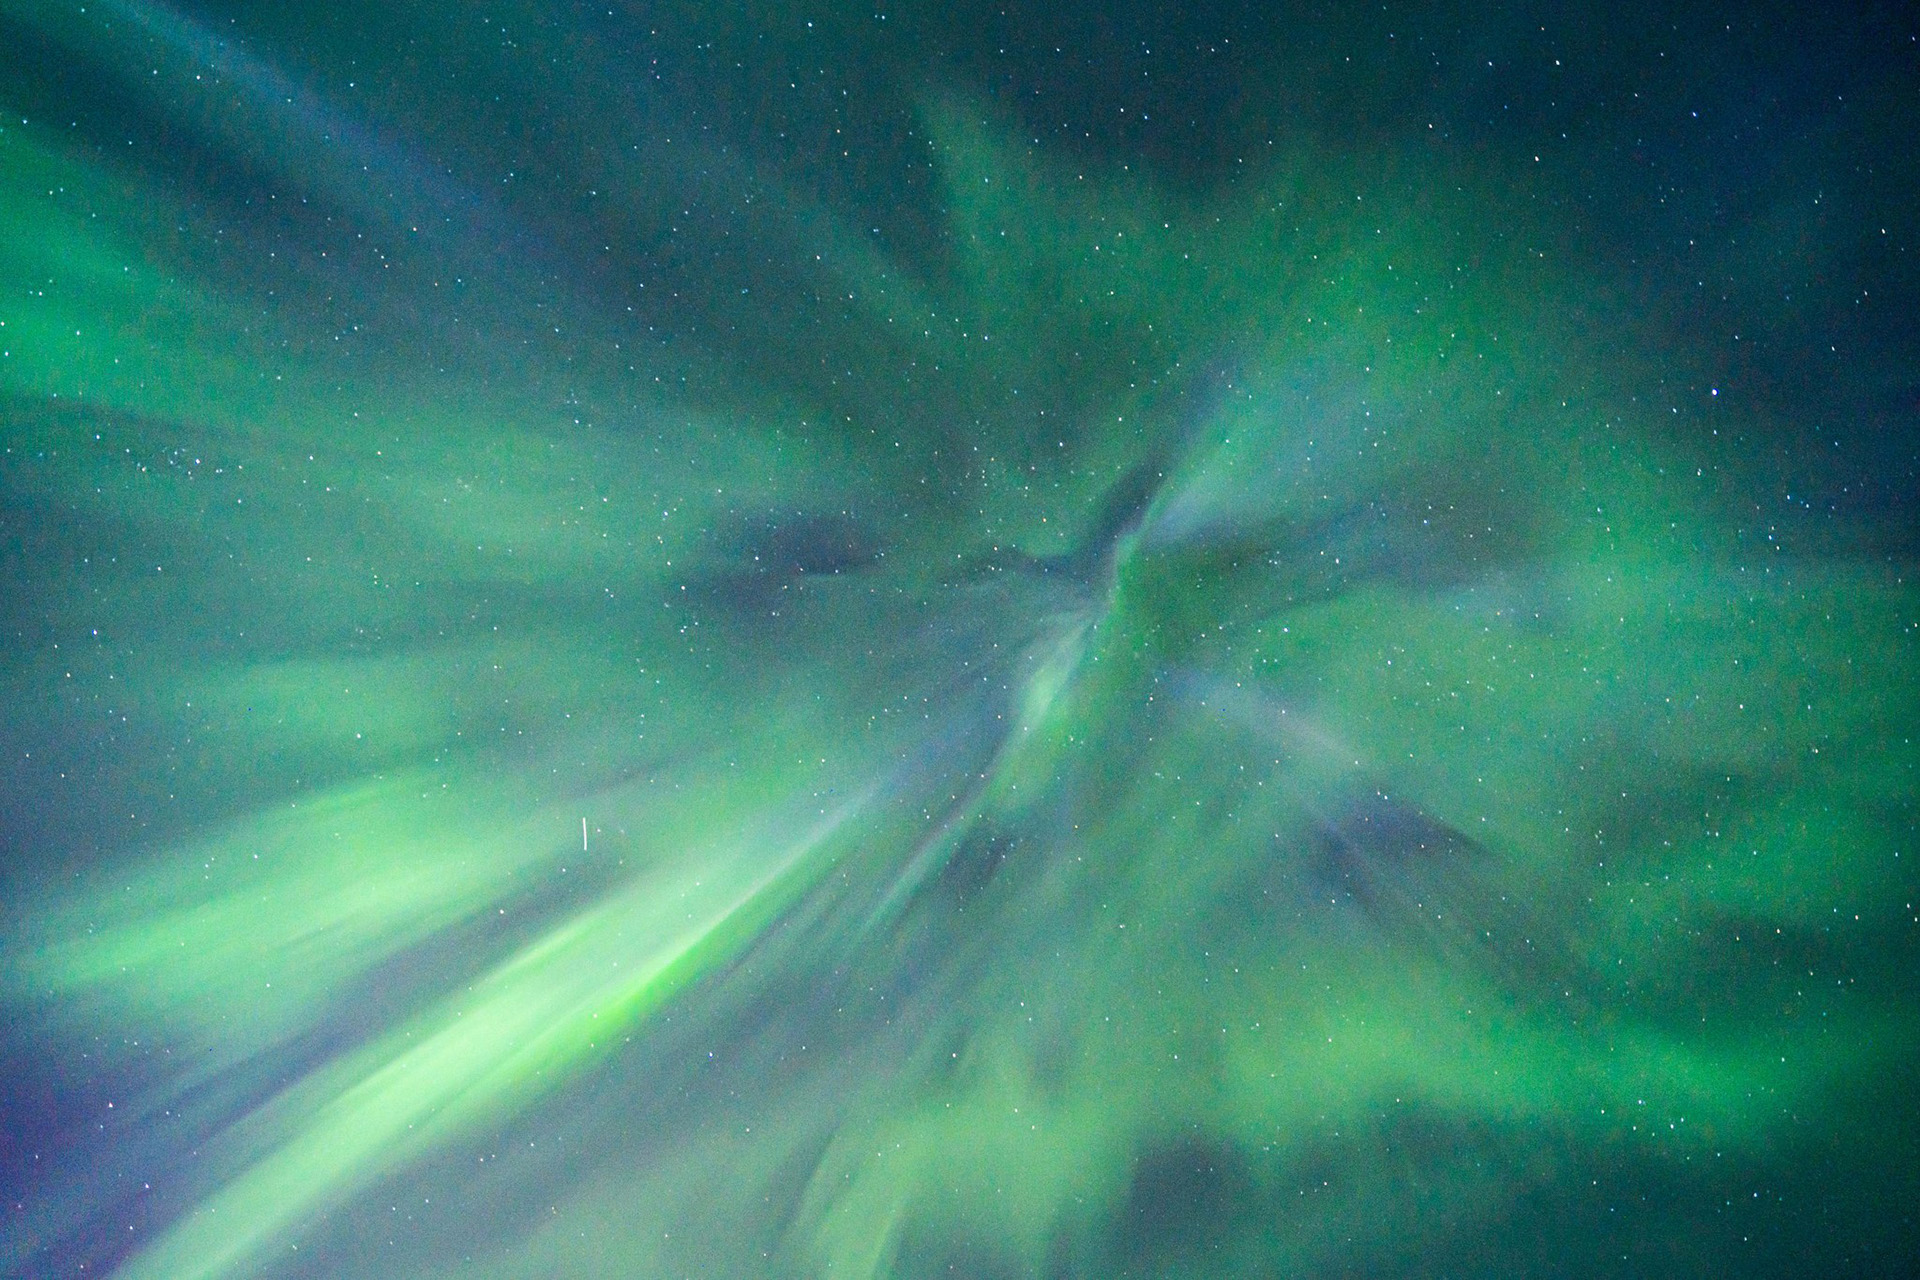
point(959, 640)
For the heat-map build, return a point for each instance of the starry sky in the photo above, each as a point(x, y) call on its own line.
point(989, 639)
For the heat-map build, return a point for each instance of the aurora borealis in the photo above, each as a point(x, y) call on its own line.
point(968, 640)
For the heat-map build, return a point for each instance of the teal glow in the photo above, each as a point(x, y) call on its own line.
point(623, 660)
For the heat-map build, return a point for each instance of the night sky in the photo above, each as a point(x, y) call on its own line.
point(949, 639)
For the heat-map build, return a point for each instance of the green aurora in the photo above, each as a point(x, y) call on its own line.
point(963, 641)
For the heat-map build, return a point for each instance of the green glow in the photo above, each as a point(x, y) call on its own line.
point(1014, 713)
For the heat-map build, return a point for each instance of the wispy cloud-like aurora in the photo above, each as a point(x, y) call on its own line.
point(655, 641)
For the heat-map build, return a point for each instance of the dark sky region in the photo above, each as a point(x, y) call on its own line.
point(948, 639)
